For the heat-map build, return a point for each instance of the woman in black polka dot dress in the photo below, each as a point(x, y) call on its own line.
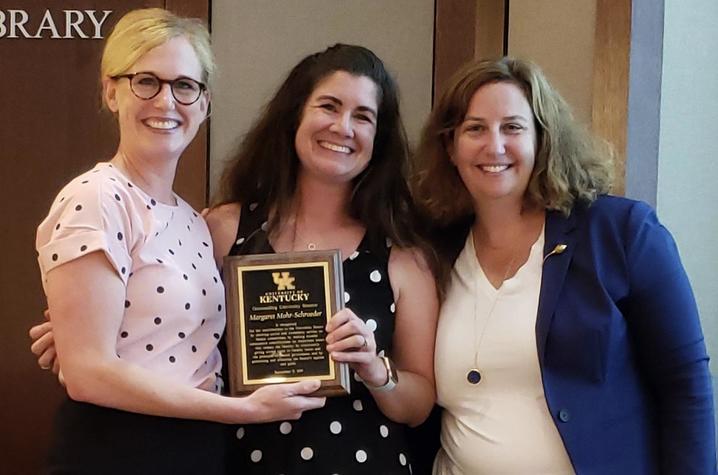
point(324, 168)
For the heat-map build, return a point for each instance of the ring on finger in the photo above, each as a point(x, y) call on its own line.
point(364, 345)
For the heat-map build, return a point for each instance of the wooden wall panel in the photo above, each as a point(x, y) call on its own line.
point(454, 39)
point(466, 30)
point(51, 129)
point(192, 180)
point(611, 78)
point(490, 23)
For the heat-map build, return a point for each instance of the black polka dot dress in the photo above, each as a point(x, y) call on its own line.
point(349, 435)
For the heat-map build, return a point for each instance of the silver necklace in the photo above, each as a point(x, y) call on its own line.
point(311, 245)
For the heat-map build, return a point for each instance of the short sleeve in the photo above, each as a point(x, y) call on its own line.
point(90, 214)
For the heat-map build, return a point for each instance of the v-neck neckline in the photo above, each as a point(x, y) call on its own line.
point(483, 281)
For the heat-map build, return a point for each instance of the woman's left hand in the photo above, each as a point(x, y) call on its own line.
point(349, 340)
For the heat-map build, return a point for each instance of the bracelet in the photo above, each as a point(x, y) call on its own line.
point(392, 377)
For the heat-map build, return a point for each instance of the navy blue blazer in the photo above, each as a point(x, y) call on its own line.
point(624, 364)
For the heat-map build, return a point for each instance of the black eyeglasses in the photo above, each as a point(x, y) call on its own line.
point(186, 91)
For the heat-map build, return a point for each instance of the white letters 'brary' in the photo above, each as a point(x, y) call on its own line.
point(84, 24)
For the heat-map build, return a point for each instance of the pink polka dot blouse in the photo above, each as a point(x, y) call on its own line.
point(174, 304)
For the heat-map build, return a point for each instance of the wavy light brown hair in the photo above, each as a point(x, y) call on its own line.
point(570, 165)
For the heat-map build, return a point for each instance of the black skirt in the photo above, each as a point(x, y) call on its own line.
point(89, 439)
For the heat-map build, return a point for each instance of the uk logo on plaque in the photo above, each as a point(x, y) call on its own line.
point(283, 280)
point(278, 308)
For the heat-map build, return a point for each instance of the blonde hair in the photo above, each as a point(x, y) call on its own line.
point(570, 164)
point(139, 31)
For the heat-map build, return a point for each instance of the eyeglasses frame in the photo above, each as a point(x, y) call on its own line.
point(171, 82)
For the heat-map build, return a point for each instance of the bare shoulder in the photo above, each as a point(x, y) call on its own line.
point(223, 221)
point(409, 269)
point(408, 258)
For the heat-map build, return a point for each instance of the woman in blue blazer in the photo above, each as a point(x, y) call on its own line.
point(569, 339)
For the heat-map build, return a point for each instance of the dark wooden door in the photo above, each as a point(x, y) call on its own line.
point(51, 129)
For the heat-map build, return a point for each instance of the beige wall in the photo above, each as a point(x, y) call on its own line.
point(258, 41)
point(558, 35)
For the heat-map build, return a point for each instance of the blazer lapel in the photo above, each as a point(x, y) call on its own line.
point(558, 230)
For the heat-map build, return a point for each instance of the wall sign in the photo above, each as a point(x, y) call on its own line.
point(62, 24)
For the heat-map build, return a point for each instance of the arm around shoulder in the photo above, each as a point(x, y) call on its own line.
point(223, 221)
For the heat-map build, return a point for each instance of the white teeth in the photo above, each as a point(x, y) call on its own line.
point(335, 148)
point(164, 124)
point(494, 168)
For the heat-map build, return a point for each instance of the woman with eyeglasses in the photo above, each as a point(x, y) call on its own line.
point(131, 283)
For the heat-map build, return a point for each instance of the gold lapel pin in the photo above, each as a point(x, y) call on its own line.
point(558, 249)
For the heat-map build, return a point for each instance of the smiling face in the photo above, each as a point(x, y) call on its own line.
point(159, 127)
point(335, 137)
point(494, 147)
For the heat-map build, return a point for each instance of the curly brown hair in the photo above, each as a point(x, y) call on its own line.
point(570, 164)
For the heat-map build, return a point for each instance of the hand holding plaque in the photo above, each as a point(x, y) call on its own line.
point(278, 308)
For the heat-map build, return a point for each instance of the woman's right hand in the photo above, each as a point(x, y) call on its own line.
point(280, 402)
point(43, 345)
point(270, 403)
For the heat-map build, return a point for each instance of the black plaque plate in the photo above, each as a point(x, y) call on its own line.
point(278, 307)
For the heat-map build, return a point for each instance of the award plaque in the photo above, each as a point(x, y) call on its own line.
point(278, 306)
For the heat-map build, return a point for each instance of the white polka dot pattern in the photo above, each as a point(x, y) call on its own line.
point(285, 428)
point(256, 456)
point(307, 453)
point(350, 434)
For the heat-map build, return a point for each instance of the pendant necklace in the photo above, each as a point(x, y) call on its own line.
point(311, 245)
point(473, 376)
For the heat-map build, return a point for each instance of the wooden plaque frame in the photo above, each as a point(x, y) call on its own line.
point(277, 308)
